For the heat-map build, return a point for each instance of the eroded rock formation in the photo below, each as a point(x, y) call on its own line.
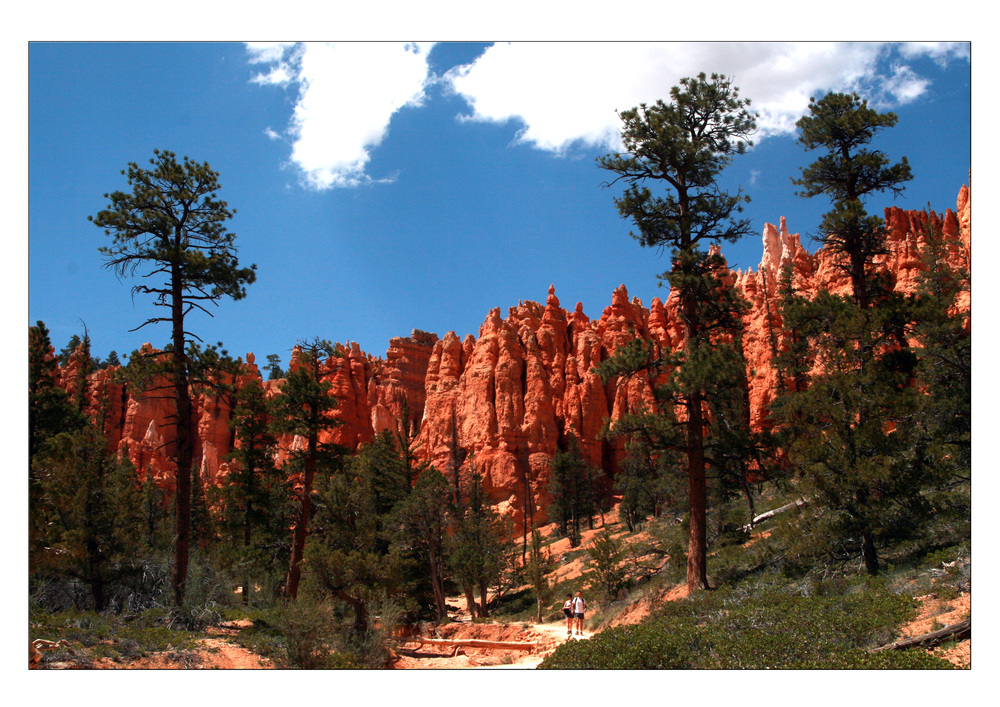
point(505, 400)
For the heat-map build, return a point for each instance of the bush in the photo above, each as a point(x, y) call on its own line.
point(309, 632)
point(606, 557)
point(756, 627)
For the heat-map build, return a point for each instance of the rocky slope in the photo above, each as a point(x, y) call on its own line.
point(506, 399)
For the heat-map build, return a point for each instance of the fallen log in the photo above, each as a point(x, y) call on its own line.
point(470, 643)
point(776, 511)
point(955, 632)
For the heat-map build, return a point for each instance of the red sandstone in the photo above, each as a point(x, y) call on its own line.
point(504, 401)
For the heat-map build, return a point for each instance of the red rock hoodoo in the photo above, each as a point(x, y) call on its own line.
point(505, 400)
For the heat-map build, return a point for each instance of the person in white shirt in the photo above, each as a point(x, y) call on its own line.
point(569, 613)
point(579, 607)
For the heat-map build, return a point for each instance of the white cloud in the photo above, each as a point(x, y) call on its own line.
point(346, 95)
point(941, 52)
point(903, 86)
point(562, 93)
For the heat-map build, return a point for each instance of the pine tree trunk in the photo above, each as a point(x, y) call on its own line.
point(182, 524)
point(246, 545)
point(483, 589)
point(437, 581)
point(870, 554)
point(697, 555)
point(470, 600)
point(302, 523)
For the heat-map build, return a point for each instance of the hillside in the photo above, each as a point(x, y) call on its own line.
point(933, 592)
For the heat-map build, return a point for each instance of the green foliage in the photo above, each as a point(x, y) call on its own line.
point(944, 352)
point(765, 626)
point(687, 143)
point(842, 125)
point(539, 565)
point(648, 481)
point(607, 557)
point(684, 145)
point(273, 367)
point(172, 217)
point(480, 548)
point(253, 503)
point(89, 504)
point(351, 554)
point(854, 432)
point(305, 408)
point(116, 636)
point(50, 410)
point(574, 489)
point(854, 429)
point(423, 519)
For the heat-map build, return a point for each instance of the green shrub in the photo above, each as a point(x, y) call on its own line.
point(764, 625)
point(308, 630)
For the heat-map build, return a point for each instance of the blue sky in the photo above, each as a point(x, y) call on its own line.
point(382, 187)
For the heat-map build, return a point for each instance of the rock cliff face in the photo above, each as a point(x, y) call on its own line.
point(506, 400)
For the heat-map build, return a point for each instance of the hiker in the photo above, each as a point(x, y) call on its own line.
point(568, 613)
point(579, 607)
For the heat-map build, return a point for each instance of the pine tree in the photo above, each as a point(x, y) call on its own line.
point(252, 502)
point(91, 503)
point(305, 408)
point(50, 410)
point(480, 545)
point(944, 350)
point(684, 146)
point(572, 486)
point(424, 519)
point(540, 564)
point(172, 226)
point(851, 431)
point(355, 555)
point(273, 367)
point(843, 125)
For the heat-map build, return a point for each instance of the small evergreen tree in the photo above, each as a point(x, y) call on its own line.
point(851, 431)
point(49, 409)
point(944, 350)
point(354, 554)
point(67, 351)
point(91, 503)
point(305, 408)
point(273, 367)
point(424, 518)
point(252, 502)
point(540, 564)
point(480, 545)
point(607, 557)
point(573, 486)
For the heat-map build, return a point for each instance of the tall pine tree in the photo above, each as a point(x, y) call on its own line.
point(851, 428)
point(683, 146)
point(170, 230)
